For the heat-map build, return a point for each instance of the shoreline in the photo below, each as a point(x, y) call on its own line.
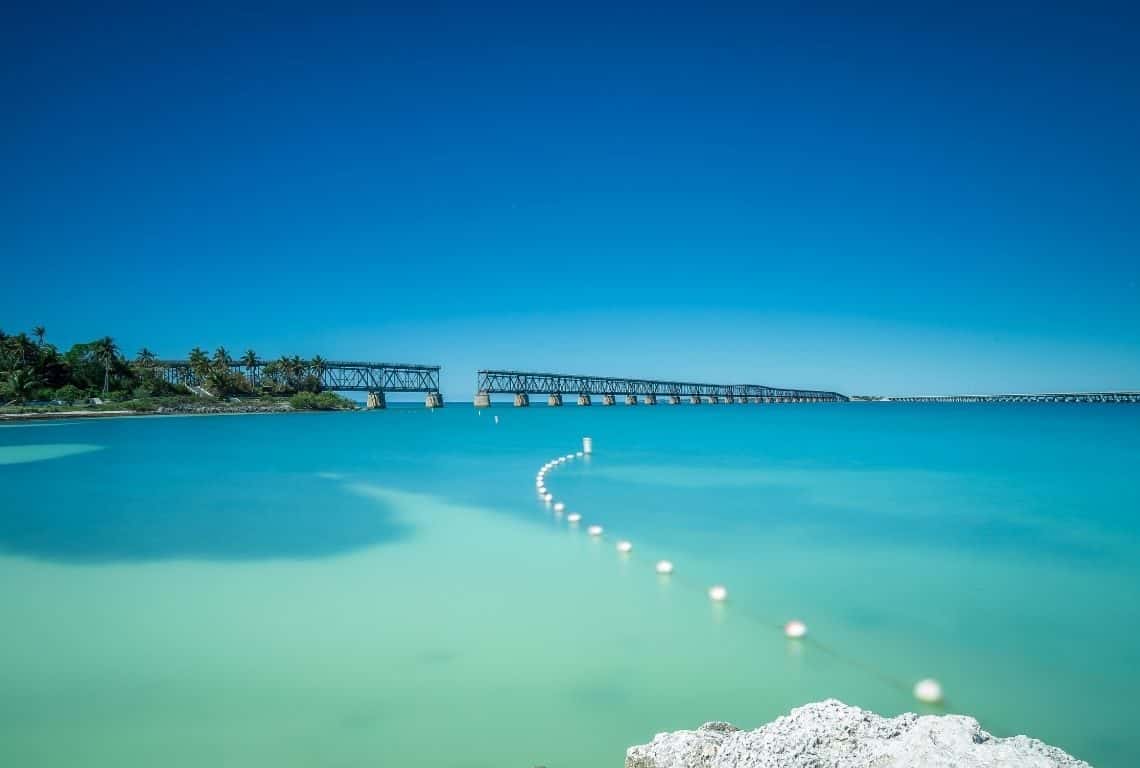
point(199, 410)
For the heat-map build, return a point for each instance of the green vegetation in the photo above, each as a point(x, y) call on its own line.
point(34, 375)
point(321, 401)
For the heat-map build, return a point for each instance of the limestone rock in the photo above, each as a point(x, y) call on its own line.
point(830, 734)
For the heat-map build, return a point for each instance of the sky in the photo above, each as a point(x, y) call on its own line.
point(907, 198)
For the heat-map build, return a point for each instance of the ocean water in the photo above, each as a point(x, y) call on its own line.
point(375, 589)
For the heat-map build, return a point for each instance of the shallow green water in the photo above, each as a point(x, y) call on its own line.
point(385, 588)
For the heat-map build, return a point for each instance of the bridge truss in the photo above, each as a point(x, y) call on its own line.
point(524, 382)
point(1042, 397)
point(335, 375)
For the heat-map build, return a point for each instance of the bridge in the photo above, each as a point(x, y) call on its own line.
point(523, 384)
point(341, 376)
point(1040, 397)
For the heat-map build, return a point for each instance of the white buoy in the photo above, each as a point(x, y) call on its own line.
point(718, 594)
point(594, 530)
point(559, 506)
point(928, 691)
point(496, 419)
point(664, 567)
point(573, 517)
point(579, 454)
point(548, 496)
point(542, 491)
point(795, 629)
point(587, 445)
point(569, 457)
point(624, 547)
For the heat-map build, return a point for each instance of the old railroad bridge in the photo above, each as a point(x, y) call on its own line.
point(523, 384)
point(339, 376)
point(378, 379)
point(1039, 397)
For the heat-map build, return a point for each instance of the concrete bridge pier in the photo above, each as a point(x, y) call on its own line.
point(729, 399)
point(713, 399)
point(376, 401)
point(583, 399)
point(674, 399)
point(650, 400)
point(522, 400)
point(433, 400)
point(554, 400)
point(608, 400)
point(631, 399)
point(482, 400)
point(695, 399)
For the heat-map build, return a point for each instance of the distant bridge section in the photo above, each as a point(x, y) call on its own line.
point(523, 384)
point(1040, 397)
point(341, 376)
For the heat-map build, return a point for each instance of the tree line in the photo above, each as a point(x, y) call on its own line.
point(32, 369)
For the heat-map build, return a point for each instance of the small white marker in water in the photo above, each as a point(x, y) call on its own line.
point(496, 419)
point(664, 567)
point(559, 506)
point(569, 457)
point(548, 496)
point(795, 629)
point(594, 530)
point(718, 594)
point(579, 454)
point(573, 517)
point(587, 445)
point(928, 691)
point(624, 547)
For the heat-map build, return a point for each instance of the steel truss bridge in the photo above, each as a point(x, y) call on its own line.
point(1042, 397)
point(521, 383)
point(336, 375)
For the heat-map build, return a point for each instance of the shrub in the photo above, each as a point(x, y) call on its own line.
point(324, 401)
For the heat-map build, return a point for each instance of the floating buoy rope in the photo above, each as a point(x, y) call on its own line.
point(927, 691)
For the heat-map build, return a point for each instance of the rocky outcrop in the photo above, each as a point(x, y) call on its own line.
point(830, 734)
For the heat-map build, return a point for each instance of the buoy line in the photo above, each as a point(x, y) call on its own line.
point(927, 691)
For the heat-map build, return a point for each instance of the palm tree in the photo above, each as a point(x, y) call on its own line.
point(249, 360)
point(222, 361)
point(199, 364)
point(271, 374)
point(39, 332)
point(106, 350)
point(318, 366)
point(145, 358)
point(22, 384)
point(22, 345)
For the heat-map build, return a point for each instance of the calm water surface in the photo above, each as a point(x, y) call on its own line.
point(385, 589)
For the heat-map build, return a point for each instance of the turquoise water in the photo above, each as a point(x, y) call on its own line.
point(386, 589)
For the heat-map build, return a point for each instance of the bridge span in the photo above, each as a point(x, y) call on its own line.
point(523, 384)
point(1039, 397)
point(376, 379)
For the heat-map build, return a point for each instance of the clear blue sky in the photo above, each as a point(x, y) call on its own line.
point(923, 197)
